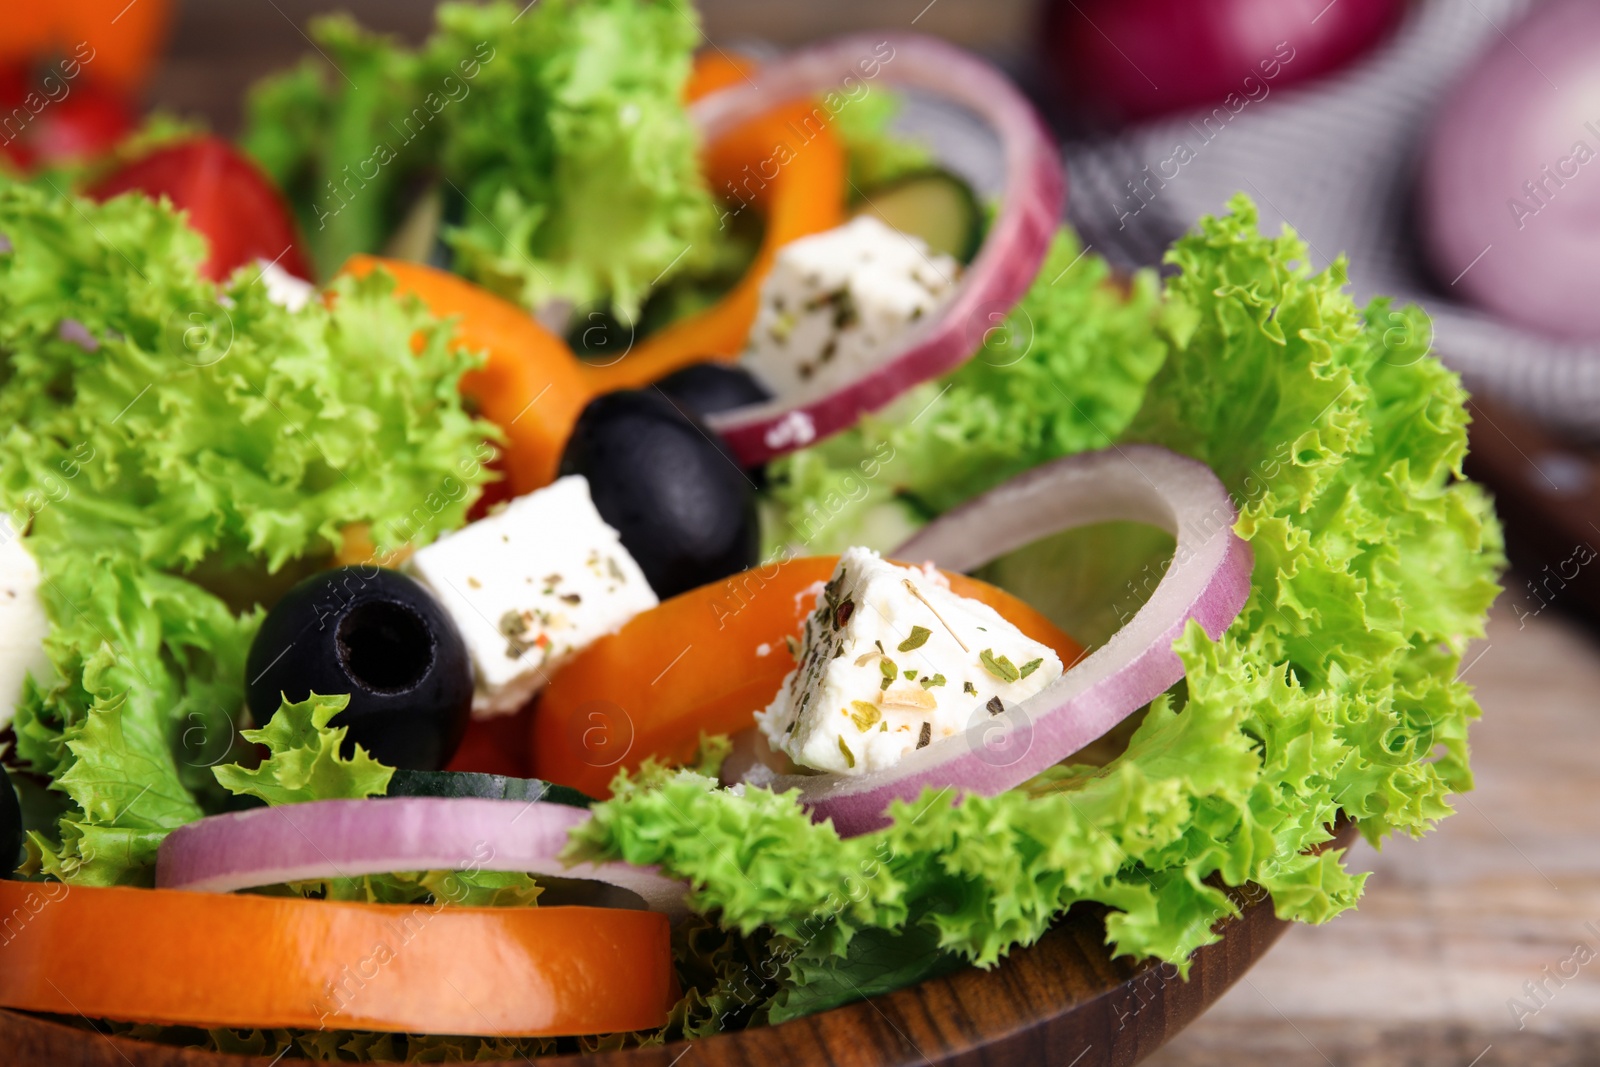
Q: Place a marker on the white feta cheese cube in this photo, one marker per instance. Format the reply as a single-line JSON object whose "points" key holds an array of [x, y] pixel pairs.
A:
{"points": [[284, 288], [23, 623], [835, 302], [882, 670], [530, 586]]}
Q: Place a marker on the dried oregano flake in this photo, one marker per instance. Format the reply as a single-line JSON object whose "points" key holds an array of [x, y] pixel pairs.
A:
{"points": [[919, 637], [999, 666]]}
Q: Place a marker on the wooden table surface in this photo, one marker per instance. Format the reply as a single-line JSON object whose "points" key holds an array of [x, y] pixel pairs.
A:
{"points": [[1454, 926]]}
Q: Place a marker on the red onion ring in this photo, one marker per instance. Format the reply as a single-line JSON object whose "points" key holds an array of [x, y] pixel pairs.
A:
{"points": [[1004, 268], [347, 838], [1208, 581]]}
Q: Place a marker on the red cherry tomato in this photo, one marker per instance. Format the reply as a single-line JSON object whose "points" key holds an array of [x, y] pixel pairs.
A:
{"points": [[228, 199], [88, 123], [50, 119], [496, 746]]}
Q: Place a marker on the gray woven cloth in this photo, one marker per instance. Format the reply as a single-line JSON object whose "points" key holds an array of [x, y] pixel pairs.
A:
{"points": [[1337, 159]]}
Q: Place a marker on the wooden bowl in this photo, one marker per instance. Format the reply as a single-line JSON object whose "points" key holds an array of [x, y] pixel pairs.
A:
{"points": [[1063, 1001]]}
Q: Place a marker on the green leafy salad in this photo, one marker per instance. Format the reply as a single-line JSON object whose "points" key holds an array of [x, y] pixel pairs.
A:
{"points": [[315, 595], [1375, 563], [546, 149]]}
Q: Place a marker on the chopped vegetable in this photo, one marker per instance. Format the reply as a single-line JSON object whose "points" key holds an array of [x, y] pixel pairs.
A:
{"points": [[1063, 373], [1030, 209], [559, 130], [1342, 440], [440, 969], [490, 786], [684, 511], [530, 385], [695, 666], [120, 49], [932, 204], [308, 758], [380, 637], [804, 195], [324, 840], [71, 118], [197, 438], [223, 196]]}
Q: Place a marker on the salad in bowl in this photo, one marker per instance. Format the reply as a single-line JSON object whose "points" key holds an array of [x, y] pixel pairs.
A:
{"points": [[558, 541]]}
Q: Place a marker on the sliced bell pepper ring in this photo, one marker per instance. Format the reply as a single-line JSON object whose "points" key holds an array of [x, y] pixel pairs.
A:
{"points": [[786, 164], [113, 41], [531, 386], [198, 959], [30, 32], [701, 662]]}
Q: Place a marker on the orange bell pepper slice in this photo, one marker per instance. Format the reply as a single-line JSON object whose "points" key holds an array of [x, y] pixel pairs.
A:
{"points": [[197, 959], [114, 41], [694, 665], [786, 164], [531, 386]]}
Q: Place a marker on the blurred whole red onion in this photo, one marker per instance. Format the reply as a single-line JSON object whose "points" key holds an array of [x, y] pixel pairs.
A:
{"points": [[1134, 59], [1509, 201]]}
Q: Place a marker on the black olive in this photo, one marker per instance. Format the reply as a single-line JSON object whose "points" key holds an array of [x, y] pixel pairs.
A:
{"points": [[10, 827], [669, 486], [383, 639], [702, 389]]}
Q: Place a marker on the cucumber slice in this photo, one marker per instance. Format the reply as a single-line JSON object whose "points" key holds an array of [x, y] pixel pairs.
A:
{"points": [[934, 205], [406, 783]]}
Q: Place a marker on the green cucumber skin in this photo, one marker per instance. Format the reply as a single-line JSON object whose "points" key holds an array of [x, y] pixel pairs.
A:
{"points": [[407, 783], [956, 229]]}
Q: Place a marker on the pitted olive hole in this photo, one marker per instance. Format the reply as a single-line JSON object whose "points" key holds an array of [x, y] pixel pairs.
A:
{"points": [[385, 647]]}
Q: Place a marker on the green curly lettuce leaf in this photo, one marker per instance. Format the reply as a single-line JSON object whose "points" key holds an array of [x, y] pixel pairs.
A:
{"points": [[578, 161], [198, 424], [1341, 439], [149, 668], [176, 453], [556, 131], [1065, 372], [303, 760]]}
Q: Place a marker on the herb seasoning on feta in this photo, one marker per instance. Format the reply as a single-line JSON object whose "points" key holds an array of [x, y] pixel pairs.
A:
{"points": [[836, 301], [875, 663], [530, 586]]}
